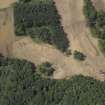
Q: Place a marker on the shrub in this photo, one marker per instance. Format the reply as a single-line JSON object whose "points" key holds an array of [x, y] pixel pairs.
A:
{"points": [[79, 56], [102, 45], [46, 69], [68, 52]]}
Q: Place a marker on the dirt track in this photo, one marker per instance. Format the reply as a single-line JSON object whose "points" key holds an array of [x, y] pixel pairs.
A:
{"points": [[99, 4], [6, 31], [6, 3], [75, 25], [80, 39], [79, 35]]}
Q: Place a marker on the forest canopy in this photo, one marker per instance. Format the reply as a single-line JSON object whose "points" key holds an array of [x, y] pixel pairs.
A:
{"points": [[40, 20], [20, 84]]}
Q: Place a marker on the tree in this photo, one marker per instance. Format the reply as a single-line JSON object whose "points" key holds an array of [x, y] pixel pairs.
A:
{"points": [[102, 45], [79, 56], [46, 69]]}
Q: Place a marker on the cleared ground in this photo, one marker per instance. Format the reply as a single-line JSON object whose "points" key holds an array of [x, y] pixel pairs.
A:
{"points": [[99, 4], [6, 3], [6, 31], [78, 32], [79, 36]]}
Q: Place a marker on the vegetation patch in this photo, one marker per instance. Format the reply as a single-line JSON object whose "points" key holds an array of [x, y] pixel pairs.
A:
{"points": [[40, 20], [79, 56], [45, 69], [96, 21], [20, 84]]}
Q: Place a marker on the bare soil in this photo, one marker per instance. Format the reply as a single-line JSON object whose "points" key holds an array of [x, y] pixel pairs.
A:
{"points": [[99, 4], [6, 3], [6, 31], [74, 24], [79, 35]]}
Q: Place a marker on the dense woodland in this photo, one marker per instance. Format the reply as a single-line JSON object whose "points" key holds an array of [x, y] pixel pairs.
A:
{"points": [[40, 20], [20, 84], [96, 21]]}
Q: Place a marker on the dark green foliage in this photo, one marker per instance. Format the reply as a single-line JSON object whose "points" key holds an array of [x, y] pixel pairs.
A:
{"points": [[79, 56], [84, 91], [21, 85], [24, 1], [68, 52], [45, 69], [90, 12], [102, 45], [15, 81], [40, 20], [96, 21]]}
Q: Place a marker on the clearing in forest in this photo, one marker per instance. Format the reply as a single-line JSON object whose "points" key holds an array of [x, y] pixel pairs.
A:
{"points": [[78, 33]]}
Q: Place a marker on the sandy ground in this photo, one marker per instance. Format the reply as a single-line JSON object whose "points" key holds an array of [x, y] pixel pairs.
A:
{"points": [[6, 3], [99, 4], [75, 26], [39, 53], [6, 31], [79, 36]]}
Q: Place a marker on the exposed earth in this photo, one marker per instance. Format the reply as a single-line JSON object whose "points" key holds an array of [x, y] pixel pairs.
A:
{"points": [[6, 3], [99, 4], [78, 33], [6, 31]]}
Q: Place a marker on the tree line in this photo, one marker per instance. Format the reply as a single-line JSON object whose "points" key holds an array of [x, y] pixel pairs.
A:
{"points": [[20, 84]]}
